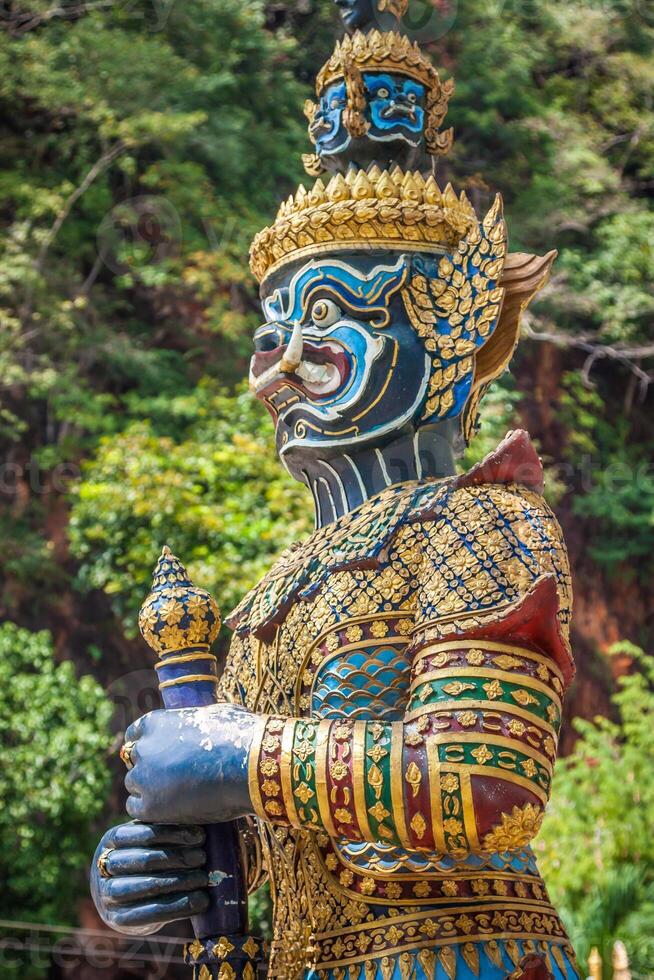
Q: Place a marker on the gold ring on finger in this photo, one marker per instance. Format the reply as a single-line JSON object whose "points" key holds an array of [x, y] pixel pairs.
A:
{"points": [[126, 754], [102, 862]]}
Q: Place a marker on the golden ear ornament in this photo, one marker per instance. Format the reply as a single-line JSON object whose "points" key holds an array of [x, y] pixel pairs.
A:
{"points": [[353, 117], [397, 8]]}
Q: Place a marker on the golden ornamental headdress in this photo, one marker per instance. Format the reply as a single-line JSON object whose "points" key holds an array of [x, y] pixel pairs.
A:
{"points": [[367, 207], [377, 51], [363, 210]]}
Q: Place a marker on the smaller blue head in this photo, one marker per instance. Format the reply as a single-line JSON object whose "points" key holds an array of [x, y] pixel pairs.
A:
{"points": [[394, 107], [378, 115], [327, 128]]}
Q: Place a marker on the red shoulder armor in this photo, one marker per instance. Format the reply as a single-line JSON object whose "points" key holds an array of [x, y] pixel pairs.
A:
{"points": [[514, 461], [533, 621]]}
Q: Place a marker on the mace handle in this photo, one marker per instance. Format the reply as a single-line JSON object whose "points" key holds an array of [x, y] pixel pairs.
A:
{"points": [[180, 622]]}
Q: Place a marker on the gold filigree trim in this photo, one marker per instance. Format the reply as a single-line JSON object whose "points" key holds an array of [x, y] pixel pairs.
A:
{"points": [[446, 707], [397, 8], [491, 647], [517, 921], [377, 51], [488, 672], [188, 679]]}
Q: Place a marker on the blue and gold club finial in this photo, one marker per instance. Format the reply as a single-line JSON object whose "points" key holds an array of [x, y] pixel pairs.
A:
{"points": [[179, 622], [177, 615]]}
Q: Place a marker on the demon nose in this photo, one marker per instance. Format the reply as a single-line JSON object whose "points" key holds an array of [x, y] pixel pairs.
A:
{"points": [[270, 336]]}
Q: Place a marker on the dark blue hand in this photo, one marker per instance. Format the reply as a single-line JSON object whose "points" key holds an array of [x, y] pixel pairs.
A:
{"points": [[155, 875], [190, 764]]}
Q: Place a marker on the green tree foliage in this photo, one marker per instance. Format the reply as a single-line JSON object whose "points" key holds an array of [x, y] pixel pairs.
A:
{"points": [[553, 107], [602, 813], [53, 776], [103, 110], [133, 178], [617, 479], [260, 912], [215, 493]]}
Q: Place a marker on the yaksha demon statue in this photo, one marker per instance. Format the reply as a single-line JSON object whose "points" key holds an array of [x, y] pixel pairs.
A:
{"points": [[391, 701]]}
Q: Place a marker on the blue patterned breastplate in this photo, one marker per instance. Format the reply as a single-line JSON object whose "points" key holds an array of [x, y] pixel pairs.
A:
{"points": [[363, 684]]}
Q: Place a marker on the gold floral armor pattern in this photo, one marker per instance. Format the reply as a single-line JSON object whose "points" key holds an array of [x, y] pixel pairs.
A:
{"points": [[411, 660]]}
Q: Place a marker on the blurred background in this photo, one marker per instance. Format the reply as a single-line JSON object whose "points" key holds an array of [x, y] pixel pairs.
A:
{"points": [[142, 143]]}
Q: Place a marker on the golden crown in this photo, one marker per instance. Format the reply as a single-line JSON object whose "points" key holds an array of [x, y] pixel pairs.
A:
{"points": [[377, 51], [363, 210]]}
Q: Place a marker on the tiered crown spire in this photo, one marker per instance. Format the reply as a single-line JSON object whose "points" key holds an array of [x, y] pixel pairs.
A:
{"points": [[376, 126], [354, 62]]}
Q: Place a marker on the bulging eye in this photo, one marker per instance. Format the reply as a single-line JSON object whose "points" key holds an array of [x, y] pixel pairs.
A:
{"points": [[334, 104], [412, 97], [324, 313], [383, 93]]}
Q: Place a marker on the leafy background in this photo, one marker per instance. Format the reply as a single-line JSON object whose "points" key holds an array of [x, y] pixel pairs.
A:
{"points": [[142, 143]]}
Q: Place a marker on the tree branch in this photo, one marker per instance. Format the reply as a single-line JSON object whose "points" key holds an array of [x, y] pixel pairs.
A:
{"points": [[17, 22], [627, 356], [100, 164]]}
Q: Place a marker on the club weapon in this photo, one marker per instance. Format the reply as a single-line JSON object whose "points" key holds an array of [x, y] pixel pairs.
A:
{"points": [[180, 622]]}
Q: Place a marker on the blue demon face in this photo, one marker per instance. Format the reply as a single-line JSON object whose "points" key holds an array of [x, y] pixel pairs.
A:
{"points": [[395, 108], [338, 363], [327, 128], [358, 348], [394, 111]]}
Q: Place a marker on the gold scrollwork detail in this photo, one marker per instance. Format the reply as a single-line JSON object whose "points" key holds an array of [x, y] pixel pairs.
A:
{"points": [[516, 830]]}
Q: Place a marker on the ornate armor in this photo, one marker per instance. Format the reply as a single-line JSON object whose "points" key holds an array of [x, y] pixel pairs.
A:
{"points": [[411, 656], [416, 647]]}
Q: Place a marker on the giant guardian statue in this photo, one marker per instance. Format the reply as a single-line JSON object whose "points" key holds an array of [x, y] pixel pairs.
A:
{"points": [[386, 725]]}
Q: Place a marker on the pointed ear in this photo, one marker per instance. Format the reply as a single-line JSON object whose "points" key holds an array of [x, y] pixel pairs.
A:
{"points": [[522, 277]]}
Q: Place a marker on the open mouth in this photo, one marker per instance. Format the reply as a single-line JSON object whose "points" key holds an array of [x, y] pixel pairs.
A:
{"points": [[320, 372]]}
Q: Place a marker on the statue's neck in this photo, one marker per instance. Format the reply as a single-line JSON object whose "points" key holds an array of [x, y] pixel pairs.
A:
{"points": [[343, 482]]}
